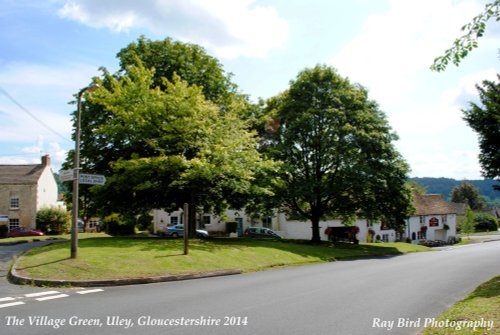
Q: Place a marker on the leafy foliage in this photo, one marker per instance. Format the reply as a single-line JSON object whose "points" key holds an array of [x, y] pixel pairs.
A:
{"points": [[337, 154], [468, 225], [485, 120], [117, 225], [167, 129], [469, 41], [468, 194], [485, 222], [174, 144], [53, 220]]}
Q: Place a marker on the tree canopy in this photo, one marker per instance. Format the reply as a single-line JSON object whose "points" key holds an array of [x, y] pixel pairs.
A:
{"points": [[468, 194], [484, 118], [336, 150], [163, 139]]}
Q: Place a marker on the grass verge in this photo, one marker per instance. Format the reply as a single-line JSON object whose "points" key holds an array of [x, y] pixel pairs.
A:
{"points": [[9, 240], [113, 257], [482, 305]]}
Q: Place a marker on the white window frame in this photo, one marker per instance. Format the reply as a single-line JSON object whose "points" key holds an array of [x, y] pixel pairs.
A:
{"points": [[13, 223], [14, 202]]}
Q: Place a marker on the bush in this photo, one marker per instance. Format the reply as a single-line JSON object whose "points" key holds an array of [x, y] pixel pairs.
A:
{"points": [[486, 222], [4, 230], [53, 220], [116, 225]]}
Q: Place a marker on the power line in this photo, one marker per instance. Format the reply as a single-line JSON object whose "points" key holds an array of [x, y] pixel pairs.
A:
{"points": [[32, 115]]}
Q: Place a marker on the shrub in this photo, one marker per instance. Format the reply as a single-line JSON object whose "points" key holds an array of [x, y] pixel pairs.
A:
{"points": [[486, 222], [53, 220], [115, 224]]}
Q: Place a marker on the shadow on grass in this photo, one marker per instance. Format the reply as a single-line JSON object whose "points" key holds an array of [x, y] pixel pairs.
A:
{"points": [[42, 264], [325, 251]]}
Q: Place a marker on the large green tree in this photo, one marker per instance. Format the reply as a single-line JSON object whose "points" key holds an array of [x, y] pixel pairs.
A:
{"points": [[183, 148], [336, 150], [167, 129], [468, 194], [484, 118]]}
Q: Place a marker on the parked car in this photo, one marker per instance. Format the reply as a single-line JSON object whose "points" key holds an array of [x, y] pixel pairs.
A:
{"points": [[23, 231], [81, 226], [261, 232], [178, 231]]}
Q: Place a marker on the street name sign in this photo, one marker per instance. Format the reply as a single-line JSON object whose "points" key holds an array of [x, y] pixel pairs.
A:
{"points": [[92, 179], [66, 175]]}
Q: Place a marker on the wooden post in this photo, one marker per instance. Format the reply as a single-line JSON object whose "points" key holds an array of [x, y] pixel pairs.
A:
{"points": [[186, 228]]}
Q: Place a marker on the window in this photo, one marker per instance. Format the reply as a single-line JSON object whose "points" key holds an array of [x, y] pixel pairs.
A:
{"points": [[13, 223], [444, 218], [206, 220], [174, 220], [14, 202], [385, 238], [422, 219], [267, 221]]}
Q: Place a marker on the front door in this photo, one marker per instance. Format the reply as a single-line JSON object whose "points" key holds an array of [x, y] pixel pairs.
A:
{"points": [[239, 226]]}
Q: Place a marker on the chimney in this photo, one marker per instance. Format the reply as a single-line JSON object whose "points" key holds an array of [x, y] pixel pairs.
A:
{"points": [[46, 160]]}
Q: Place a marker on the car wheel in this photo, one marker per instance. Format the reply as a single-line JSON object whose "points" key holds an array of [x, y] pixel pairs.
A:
{"points": [[175, 235]]}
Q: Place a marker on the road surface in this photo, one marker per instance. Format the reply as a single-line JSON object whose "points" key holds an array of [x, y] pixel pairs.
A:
{"points": [[371, 296]]}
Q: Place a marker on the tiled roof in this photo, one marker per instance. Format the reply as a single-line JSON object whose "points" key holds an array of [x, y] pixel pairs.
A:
{"points": [[20, 174], [429, 204]]}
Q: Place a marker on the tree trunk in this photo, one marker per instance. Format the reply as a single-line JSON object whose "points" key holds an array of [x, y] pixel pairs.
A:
{"points": [[316, 239], [192, 216]]}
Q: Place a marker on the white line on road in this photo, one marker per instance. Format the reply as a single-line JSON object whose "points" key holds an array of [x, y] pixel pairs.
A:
{"points": [[53, 297], [7, 299], [90, 291], [12, 304], [39, 294]]}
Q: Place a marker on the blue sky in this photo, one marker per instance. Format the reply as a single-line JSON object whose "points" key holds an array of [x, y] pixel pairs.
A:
{"points": [[50, 49]]}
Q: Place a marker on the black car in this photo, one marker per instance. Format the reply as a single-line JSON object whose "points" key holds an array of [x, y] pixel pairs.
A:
{"points": [[261, 232]]}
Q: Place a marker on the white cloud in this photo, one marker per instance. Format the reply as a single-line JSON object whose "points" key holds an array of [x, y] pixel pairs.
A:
{"points": [[393, 48], [391, 56], [231, 28]]}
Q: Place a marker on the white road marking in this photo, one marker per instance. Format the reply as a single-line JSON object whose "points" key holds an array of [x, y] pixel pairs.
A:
{"points": [[90, 291], [7, 299], [12, 304], [53, 297], [39, 294]]}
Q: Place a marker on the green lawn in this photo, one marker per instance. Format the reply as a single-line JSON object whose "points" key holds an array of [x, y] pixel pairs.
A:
{"points": [[482, 304], [112, 257]]}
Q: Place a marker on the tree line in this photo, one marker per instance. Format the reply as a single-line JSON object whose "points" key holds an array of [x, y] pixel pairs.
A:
{"points": [[170, 127]]}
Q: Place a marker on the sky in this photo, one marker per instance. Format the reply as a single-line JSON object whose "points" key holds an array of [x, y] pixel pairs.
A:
{"points": [[51, 49]]}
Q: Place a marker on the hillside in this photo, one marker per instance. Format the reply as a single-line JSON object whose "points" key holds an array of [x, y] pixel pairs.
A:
{"points": [[445, 185]]}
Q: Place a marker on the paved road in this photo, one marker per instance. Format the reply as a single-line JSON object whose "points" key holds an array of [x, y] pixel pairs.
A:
{"points": [[7, 255], [350, 297]]}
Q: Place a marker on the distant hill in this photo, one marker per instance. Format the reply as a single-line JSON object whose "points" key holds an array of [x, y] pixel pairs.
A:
{"points": [[445, 185]]}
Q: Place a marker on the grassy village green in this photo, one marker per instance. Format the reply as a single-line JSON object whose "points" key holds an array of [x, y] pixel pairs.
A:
{"points": [[121, 257], [482, 304]]}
